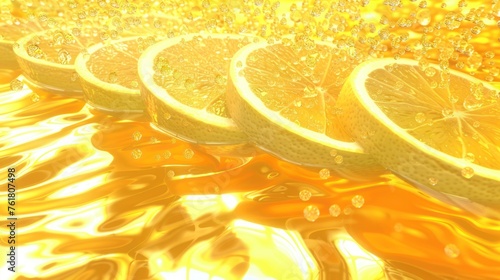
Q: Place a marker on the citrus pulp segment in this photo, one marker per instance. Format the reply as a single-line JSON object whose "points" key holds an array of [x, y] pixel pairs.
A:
{"points": [[184, 82], [283, 95], [439, 130]]}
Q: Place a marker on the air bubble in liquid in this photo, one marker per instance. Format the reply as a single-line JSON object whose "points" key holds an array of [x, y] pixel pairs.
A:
{"points": [[305, 195], [324, 173], [311, 213], [137, 135], [334, 210], [358, 201]]}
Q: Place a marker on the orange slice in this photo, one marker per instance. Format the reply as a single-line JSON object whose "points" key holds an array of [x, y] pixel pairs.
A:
{"points": [[438, 130], [184, 82], [47, 57], [283, 96], [109, 75]]}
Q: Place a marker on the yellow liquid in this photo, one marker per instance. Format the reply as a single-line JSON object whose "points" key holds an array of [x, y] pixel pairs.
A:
{"points": [[95, 201], [105, 196]]}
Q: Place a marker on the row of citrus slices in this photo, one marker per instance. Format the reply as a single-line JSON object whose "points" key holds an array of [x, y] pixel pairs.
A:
{"points": [[297, 99]]}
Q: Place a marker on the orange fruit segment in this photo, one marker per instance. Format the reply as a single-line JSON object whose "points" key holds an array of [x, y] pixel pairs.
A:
{"points": [[283, 96], [438, 130]]}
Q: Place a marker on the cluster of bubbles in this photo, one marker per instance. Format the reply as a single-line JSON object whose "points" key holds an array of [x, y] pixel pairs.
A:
{"points": [[312, 212], [450, 34]]}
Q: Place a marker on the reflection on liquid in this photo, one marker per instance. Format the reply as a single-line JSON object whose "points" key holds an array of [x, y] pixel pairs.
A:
{"points": [[108, 197]]}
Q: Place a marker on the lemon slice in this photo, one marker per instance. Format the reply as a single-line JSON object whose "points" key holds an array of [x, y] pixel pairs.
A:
{"points": [[184, 82], [108, 70], [47, 57], [442, 136], [108, 74], [283, 95]]}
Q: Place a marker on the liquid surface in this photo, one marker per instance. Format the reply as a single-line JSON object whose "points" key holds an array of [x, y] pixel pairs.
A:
{"points": [[107, 196]]}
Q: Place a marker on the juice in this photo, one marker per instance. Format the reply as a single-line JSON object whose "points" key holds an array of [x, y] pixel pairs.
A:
{"points": [[106, 195]]}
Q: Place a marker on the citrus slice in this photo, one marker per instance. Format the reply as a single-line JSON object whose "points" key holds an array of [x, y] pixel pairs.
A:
{"points": [[283, 95], [445, 136], [108, 73], [184, 82], [47, 57], [108, 70]]}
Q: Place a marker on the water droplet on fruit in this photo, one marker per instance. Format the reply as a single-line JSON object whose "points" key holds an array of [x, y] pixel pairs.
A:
{"points": [[333, 152], [447, 113], [220, 80], [189, 84], [338, 159], [420, 117], [64, 57], [430, 71], [112, 77], [474, 61], [453, 99], [74, 77], [467, 172], [433, 181], [310, 92], [470, 157]]}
